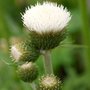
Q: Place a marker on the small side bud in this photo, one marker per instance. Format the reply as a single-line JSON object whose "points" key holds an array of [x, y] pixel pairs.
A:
{"points": [[28, 72], [23, 52], [49, 82]]}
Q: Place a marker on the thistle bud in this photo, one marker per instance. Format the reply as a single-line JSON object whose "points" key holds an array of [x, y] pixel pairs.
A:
{"points": [[22, 52], [49, 82], [28, 72]]}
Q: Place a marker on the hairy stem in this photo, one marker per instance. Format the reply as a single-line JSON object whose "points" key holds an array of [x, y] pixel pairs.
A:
{"points": [[33, 86], [47, 62]]}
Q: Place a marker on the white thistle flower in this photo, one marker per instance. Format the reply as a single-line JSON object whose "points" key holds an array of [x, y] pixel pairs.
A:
{"points": [[46, 17], [16, 54]]}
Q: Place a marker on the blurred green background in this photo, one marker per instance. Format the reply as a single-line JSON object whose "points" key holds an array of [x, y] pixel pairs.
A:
{"points": [[71, 60]]}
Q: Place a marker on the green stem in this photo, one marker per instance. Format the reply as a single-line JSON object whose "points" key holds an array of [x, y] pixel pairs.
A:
{"points": [[85, 32], [33, 86], [47, 62]]}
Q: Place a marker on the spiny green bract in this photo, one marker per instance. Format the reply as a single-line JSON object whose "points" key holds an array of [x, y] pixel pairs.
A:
{"points": [[46, 41]]}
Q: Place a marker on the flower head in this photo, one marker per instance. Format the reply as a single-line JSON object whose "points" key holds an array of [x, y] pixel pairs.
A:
{"points": [[46, 23], [46, 17]]}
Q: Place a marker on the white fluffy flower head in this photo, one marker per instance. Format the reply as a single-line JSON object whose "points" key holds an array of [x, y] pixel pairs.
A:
{"points": [[46, 17], [15, 53]]}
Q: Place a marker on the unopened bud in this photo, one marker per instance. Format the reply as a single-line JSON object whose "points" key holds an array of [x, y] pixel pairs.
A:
{"points": [[50, 82], [28, 72], [23, 52]]}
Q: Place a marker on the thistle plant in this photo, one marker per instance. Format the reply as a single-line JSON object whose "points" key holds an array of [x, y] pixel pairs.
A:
{"points": [[46, 24]]}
